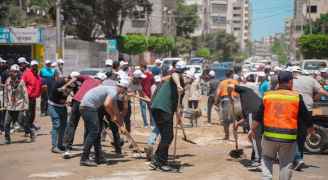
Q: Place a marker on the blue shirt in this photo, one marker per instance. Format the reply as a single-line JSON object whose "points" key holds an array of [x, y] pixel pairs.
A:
{"points": [[264, 87], [156, 70], [47, 72]]}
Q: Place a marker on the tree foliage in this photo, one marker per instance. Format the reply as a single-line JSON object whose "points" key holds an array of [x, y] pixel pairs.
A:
{"points": [[133, 44], [278, 48], [183, 45], [203, 52], [221, 45], [314, 46], [160, 44], [186, 19]]}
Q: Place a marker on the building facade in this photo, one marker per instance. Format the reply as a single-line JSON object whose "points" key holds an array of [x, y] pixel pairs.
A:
{"points": [[161, 21]]}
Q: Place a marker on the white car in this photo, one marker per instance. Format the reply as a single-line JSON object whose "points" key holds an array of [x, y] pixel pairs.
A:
{"points": [[196, 69]]}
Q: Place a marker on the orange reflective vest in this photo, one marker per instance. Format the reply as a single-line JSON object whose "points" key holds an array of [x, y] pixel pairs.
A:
{"points": [[281, 115], [223, 87]]}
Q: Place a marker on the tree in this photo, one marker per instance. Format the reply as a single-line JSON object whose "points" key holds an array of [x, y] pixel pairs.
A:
{"points": [[160, 44], [221, 45], [278, 48], [203, 52], [314, 46], [133, 44], [183, 45], [186, 19]]}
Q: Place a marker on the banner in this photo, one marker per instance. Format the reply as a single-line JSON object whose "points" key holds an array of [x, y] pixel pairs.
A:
{"points": [[21, 35]]}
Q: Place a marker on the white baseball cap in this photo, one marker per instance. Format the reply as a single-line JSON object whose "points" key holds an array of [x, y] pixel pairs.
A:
{"points": [[190, 74], [109, 62], [2, 60], [212, 73], [123, 83], [22, 60], [180, 65], [60, 61], [123, 63], [74, 74], [158, 61], [158, 78], [34, 62], [139, 74], [102, 76], [47, 61], [14, 67], [54, 64]]}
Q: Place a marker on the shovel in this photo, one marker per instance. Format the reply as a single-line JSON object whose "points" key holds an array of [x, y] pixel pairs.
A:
{"points": [[236, 153]]}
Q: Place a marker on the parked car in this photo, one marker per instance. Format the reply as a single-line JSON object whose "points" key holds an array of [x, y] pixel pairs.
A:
{"points": [[197, 61], [312, 65], [197, 69], [92, 71]]}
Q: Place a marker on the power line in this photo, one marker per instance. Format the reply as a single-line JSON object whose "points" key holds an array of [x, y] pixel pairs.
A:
{"points": [[269, 17]]}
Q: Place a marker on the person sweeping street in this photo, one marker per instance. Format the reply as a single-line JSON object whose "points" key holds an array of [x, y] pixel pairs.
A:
{"points": [[96, 98], [281, 112], [164, 104]]}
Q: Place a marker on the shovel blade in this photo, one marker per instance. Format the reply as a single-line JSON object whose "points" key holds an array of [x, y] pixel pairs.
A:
{"points": [[236, 153]]}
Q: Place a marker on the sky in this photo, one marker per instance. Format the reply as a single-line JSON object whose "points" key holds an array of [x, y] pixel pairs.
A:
{"points": [[268, 16]]}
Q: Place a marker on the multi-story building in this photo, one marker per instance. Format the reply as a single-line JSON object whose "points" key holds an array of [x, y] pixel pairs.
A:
{"points": [[160, 21], [261, 49]]}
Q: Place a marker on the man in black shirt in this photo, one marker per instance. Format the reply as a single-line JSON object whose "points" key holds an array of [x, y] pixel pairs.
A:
{"points": [[58, 113]]}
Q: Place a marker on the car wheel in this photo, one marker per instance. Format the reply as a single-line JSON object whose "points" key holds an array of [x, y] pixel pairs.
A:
{"points": [[315, 143]]}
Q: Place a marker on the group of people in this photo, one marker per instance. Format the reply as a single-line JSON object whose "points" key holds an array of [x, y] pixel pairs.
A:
{"points": [[276, 111]]}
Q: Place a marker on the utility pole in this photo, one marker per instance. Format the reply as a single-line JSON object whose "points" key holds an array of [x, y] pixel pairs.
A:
{"points": [[59, 40], [308, 10]]}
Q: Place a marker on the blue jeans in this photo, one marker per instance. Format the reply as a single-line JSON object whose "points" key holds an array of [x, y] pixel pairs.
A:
{"points": [[59, 120], [143, 107], [154, 132]]}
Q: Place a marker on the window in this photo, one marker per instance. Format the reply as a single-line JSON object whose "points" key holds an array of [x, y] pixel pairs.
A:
{"points": [[236, 29], [236, 8], [312, 9], [219, 8], [138, 23], [218, 20], [236, 22], [236, 15]]}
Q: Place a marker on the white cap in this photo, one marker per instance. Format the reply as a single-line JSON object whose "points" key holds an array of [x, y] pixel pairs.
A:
{"points": [[190, 74], [34, 62], [137, 67], [47, 61], [295, 69], [180, 65], [14, 67], [139, 74], [54, 64], [22, 60], [74, 74], [158, 78], [102, 76], [212, 73], [158, 61], [2, 60], [123, 83], [60, 61], [122, 63], [109, 62]]}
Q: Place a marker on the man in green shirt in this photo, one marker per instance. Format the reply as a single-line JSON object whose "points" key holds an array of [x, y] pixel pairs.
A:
{"points": [[164, 104]]}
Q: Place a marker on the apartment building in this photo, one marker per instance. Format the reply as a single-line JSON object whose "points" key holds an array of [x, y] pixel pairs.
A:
{"points": [[161, 20]]}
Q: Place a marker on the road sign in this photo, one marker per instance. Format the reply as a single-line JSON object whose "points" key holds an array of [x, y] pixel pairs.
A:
{"points": [[111, 46]]}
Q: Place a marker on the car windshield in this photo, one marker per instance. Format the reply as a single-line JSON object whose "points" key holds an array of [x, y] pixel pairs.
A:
{"points": [[169, 62], [315, 65]]}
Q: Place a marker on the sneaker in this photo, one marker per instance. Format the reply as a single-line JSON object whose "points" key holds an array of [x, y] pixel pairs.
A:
{"points": [[67, 154], [32, 137], [299, 165], [56, 150], [7, 141], [88, 163], [149, 152]]}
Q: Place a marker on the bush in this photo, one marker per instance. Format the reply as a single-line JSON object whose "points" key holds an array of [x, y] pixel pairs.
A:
{"points": [[160, 44], [133, 44], [203, 52]]}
